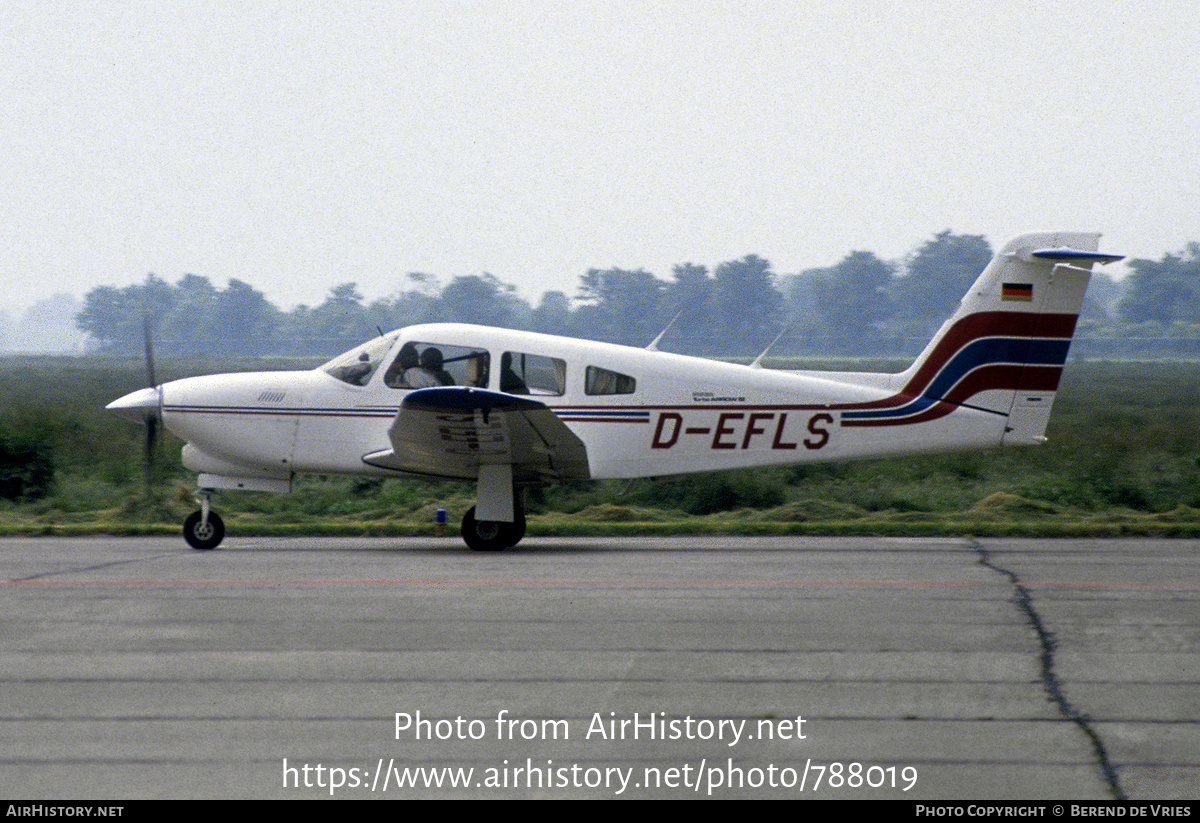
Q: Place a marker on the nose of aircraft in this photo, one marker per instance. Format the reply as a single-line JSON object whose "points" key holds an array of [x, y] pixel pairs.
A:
{"points": [[140, 405]]}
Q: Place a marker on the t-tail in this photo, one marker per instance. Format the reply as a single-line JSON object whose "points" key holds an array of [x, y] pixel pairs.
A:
{"points": [[1003, 349]]}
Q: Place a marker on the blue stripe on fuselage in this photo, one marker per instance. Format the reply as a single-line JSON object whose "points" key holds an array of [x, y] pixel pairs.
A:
{"points": [[1020, 351]]}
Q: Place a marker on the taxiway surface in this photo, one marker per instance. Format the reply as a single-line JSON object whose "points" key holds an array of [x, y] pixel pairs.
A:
{"points": [[636, 667]]}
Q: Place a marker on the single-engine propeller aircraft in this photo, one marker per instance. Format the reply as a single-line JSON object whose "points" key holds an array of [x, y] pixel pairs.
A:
{"points": [[512, 409]]}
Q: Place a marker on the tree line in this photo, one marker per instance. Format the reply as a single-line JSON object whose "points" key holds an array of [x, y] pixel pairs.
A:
{"points": [[862, 305]]}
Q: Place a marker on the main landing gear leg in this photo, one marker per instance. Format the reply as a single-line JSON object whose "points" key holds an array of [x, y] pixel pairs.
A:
{"points": [[501, 517], [204, 529]]}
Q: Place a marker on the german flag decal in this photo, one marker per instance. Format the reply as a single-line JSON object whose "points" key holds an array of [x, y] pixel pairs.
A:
{"points": [[1017, 291]]}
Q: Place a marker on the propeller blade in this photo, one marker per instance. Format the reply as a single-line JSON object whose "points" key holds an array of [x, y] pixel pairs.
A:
{"points": [[150, 381], [151, 442], [152, 415]]}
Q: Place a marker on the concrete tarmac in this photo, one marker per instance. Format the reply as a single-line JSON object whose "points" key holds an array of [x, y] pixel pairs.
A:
{"points": [[952, 669]]}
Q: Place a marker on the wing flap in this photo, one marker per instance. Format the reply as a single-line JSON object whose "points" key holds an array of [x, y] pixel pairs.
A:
{"points": [[451, 431]]}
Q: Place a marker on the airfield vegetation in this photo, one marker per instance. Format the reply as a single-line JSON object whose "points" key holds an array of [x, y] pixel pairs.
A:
{"points": [[1123, 458]]}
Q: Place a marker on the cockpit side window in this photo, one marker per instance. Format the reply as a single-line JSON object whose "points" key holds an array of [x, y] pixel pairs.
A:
{"points": [[603, 381], [422, 365], [522, 373]]}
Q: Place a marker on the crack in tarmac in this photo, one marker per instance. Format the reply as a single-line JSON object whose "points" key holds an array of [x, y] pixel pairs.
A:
{"points": [[1050, 681], [80, 569]]}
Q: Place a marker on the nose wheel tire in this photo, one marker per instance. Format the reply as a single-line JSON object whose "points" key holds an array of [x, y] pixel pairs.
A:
{"points": [[492, 535], [203, 535]]}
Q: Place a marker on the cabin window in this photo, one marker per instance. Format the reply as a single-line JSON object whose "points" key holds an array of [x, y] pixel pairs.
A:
{"points": [[357, 365], [422, 365], [522, 373], [603, 381]]}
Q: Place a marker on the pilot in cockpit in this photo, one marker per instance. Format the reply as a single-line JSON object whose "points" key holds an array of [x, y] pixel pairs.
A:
{"points": [[405, 360]]}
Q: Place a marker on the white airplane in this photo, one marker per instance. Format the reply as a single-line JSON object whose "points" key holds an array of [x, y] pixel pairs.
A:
{"points": [[512, 409]]}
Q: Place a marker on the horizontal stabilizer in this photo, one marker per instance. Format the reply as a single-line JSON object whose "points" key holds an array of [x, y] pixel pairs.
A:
{"points": [[1065, 255]]}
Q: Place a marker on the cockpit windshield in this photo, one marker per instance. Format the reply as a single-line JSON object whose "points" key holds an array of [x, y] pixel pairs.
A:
{"points": [[357, 365]]}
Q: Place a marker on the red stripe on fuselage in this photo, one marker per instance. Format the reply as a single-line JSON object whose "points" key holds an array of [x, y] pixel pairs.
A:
{"points": [[1025, 378], [971, 328]]}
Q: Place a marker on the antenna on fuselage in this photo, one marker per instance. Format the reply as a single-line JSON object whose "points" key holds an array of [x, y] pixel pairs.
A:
{"points": [[757, 364], [654, 343]]}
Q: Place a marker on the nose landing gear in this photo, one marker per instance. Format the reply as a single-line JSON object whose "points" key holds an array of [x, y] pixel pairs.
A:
{"points": [[204, 529]]}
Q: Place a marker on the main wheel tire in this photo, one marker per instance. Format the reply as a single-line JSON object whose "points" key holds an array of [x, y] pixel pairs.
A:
{"points": [[203, 536], [492, 535]]}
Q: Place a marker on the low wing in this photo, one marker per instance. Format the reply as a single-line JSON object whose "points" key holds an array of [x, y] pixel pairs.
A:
{"points": [[451, 431]]}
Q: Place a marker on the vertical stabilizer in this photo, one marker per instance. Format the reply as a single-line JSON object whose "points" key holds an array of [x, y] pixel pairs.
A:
{"points": [[1003, 349]]}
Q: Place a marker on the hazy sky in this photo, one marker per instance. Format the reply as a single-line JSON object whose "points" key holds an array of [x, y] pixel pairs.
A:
{"points": [[298, 145]]}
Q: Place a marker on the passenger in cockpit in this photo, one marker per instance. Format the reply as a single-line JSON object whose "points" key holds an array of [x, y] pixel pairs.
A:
{"points": [[510, 382], [430, 372]]}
